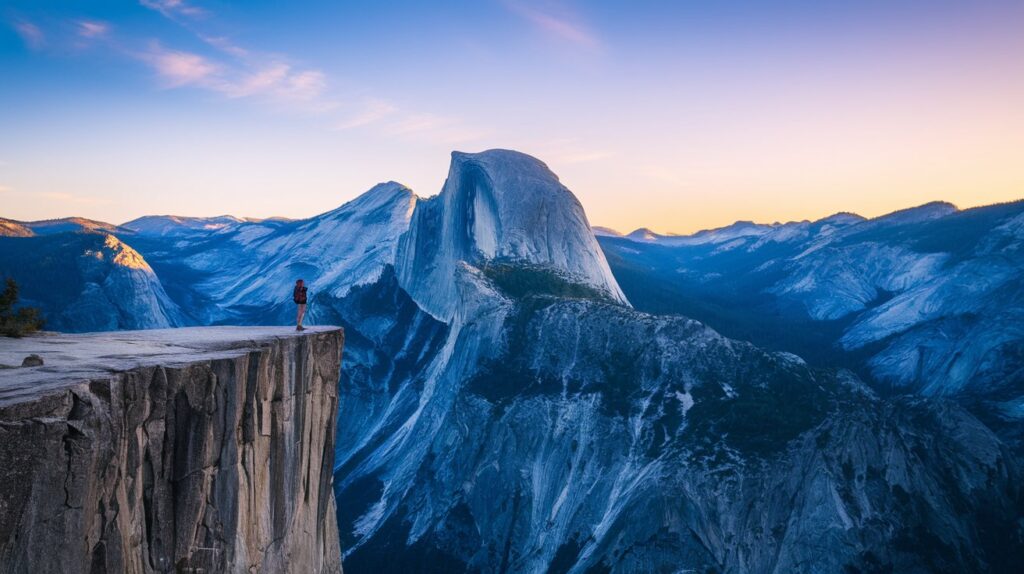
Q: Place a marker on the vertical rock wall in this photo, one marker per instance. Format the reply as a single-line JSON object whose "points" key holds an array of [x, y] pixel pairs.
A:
{"points": [[216, 465]]}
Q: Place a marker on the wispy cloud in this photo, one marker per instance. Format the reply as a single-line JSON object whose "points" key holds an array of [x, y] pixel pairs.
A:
{"points": [[275, 79], [235, 71], [239, 72], [179, 68], [92, 29], [172, 8], [267, 78], [427, 127], [560, 26], [30, 34], [389, 119], [304, 85], [257, 82], [225, 45], [373, 111]]}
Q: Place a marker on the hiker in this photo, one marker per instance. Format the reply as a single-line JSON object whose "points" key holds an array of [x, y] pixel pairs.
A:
{"points": [[299, 296]]}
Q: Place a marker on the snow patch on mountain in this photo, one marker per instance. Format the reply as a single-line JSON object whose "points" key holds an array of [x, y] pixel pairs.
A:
{"points": [[172, 225]]}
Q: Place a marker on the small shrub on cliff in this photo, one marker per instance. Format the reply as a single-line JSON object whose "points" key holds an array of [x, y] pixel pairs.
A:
{"points": [[16, 322]]}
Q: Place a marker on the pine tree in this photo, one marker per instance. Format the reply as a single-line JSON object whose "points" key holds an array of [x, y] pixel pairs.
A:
{"points": [[16, 322]]}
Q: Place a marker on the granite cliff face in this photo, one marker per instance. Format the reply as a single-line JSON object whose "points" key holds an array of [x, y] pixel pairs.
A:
{"points": [[187, 450], [593, 438]]}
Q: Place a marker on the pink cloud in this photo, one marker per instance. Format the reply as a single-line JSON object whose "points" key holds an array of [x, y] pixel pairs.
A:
{"points": [[237, 72], [92, 29], [271, 79], [180, 68], [562, 27], [432, 128], [225, 45], [30, 34], [262, 81], [305, 85]]}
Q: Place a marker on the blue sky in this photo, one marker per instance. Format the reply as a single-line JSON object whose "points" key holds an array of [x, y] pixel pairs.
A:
{"points": [[672, 115]]}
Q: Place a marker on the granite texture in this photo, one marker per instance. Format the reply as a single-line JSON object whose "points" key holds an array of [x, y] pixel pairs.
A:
{"points": [[179, 450]]}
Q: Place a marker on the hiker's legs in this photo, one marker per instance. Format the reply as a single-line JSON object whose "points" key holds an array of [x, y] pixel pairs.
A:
{"points": [[300, 315]]}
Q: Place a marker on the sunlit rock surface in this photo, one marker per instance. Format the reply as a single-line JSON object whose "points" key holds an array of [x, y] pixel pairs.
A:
{"points": [[183, 450], [87, 281]]}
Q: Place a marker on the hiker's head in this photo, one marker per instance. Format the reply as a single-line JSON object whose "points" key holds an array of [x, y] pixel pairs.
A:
{"points": [[298, 282]]}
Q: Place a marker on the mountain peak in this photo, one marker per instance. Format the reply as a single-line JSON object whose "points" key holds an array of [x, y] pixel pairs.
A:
{"points": [[506, 156], [842, 218], [509, 166], [643, 234], [930, 210], [174, 225], [381, 196], [499, 205]]}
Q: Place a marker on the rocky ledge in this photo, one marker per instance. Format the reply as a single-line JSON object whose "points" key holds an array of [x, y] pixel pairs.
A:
{"points": [[176, 450]]}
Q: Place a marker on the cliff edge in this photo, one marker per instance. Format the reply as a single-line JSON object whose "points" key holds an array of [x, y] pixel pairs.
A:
{"points": [[178, 450]]}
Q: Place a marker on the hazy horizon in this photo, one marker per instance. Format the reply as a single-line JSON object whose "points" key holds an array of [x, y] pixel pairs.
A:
{"points": [[594, 225], [662, 115]]}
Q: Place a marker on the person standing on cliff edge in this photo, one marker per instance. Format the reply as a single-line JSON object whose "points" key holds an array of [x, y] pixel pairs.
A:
{"points": [[299, 296]]}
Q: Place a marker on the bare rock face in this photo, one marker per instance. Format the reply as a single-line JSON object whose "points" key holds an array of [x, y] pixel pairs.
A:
{"points": [[180, 450]]}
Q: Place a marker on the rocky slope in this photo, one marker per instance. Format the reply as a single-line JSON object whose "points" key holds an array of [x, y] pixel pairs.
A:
{"points": [[12, 228], [535, 423], [244, 273], [88, 282], [928, 300], [190, 450], [580, 436]]}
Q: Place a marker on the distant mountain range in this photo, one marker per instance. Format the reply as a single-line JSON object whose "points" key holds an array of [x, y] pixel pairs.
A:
{"points": [[522, 394], [928, 300]]}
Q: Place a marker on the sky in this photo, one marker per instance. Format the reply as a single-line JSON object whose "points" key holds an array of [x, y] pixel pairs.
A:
{"points": [[676, 116]]}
